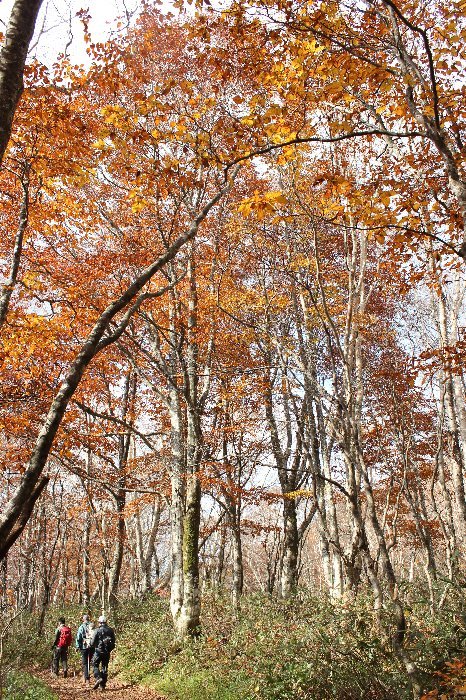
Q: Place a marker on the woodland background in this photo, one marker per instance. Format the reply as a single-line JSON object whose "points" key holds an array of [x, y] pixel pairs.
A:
{"points": [[232, 345]]}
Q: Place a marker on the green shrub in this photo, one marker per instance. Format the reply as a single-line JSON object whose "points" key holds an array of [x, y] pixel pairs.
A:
{"points": [[22, 686], [144, 636], [309, 649]]}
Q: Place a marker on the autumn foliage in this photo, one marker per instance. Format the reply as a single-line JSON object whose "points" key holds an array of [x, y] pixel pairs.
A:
{"points": [[231, 311]]}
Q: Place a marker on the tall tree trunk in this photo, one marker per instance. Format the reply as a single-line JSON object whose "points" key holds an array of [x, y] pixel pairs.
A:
{"points": [[289, 570], [219, 569], [237, 573], [178, 485], [188, 621], [129, 396], [85, 588], [117, 560], [454, 411]]}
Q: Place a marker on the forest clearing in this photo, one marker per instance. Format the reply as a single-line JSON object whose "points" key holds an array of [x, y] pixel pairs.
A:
{"points": [[232, 345]]}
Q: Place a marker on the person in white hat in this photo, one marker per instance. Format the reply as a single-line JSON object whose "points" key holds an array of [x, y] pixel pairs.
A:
{"points": [[103, 643]]}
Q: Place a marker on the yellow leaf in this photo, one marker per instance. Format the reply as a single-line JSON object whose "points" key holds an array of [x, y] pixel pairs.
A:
{"points": [[277, 197]]}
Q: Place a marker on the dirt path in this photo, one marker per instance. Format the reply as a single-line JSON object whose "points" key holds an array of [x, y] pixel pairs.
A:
{"points": [[74, 688]]}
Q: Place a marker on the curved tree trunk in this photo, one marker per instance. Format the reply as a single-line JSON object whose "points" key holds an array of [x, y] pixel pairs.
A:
{"points": [[18, 509], [12, 61]]}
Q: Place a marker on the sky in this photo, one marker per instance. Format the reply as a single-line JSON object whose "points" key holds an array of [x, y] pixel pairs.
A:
{"points": [[53, 25]]}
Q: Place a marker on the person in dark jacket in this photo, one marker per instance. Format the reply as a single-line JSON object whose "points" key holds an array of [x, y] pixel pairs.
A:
{"points": [[103, 643], [60, 647], [83, 645]]}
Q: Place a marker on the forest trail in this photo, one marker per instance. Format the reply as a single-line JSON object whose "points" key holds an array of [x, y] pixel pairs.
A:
{"points": [[74, 688]]}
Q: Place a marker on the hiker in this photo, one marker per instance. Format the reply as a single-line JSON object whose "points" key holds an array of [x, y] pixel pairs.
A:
{"points": [[103, 642], [83, 645], [60, 646]]}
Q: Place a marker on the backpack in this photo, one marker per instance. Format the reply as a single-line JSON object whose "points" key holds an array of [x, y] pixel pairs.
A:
{"points": [[106, 643], [87, 635], [65, 637]]}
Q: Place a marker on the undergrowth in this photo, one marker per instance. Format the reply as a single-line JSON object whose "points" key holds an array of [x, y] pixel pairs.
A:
{"points": [[274, 650], [303, 649], [23, 686]]}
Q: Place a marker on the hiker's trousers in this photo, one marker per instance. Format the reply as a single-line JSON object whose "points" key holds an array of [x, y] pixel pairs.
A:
{"points": [[100, 666], [60, 654], [86, 656]]}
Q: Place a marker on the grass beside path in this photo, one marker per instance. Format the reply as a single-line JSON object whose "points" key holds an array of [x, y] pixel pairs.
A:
{"points": [[23, 686]]}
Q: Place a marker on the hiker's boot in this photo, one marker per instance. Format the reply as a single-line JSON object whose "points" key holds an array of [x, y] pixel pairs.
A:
{"points": [[97, 684]]}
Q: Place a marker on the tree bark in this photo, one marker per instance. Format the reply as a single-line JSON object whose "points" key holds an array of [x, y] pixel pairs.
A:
{"points": [[289, 572], [188, 622], [12, 61]]}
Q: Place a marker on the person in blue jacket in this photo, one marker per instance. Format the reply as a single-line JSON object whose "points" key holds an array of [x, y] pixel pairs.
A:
{"points": [[83, 645]]}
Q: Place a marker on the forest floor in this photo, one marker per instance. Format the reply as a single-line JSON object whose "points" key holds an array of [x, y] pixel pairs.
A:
{"points": [[74, 688]]}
